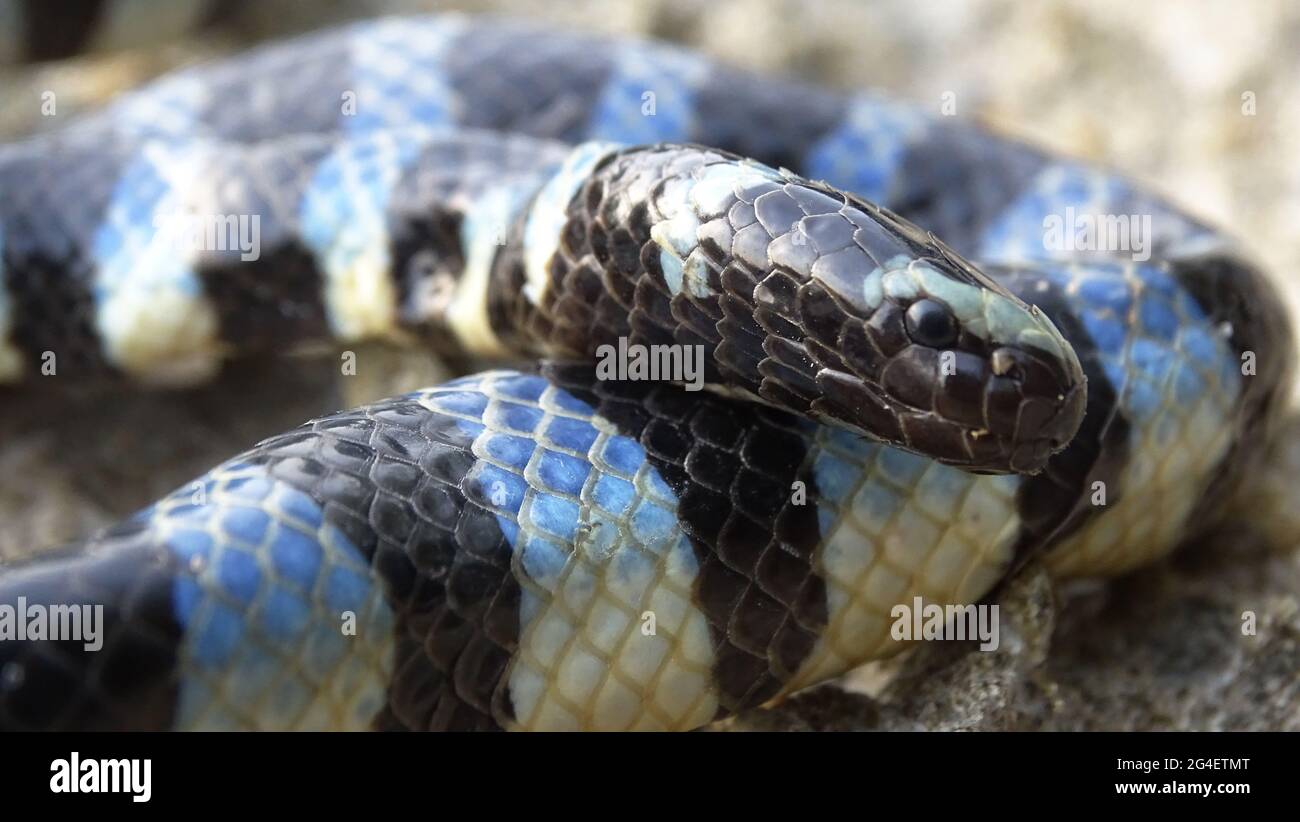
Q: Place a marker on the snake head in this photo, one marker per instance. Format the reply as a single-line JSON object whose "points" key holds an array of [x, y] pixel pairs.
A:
{"points": [[907, 342], [813, 301]]}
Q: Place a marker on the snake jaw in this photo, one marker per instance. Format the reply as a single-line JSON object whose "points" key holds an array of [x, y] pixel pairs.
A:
{"points": [[1041, 438]]}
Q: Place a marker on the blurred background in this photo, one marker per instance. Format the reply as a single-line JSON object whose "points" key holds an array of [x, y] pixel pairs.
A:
{"points": [[1155, 88], [1199, 100]]}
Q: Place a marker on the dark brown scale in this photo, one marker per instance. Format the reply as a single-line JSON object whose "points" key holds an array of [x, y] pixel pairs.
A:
{"points": [[743, 350], [790, 354], [757, 618], [857, 347], [597, 240], [644, 331], [777, 393], [625, 251], [911, 376], [945, 442], [825, 356], [713, 467], [738, 318], [843, 393], [715, 430], [797, 388], [1033, 415], [700, 316], [712, 369], [777, 326], [819, 314], [737, 365], [961, 390], [574, 238], [778, 292], [887, 331], [1001, 405]]}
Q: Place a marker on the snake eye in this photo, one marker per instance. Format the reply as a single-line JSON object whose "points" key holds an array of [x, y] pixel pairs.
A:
{"points": [[930, 324]]}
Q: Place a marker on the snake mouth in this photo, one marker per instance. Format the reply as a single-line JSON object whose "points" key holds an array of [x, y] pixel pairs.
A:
{"points": [[1040, 436]]}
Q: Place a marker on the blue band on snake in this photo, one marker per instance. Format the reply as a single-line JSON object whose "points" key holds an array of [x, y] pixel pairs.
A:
{"points": [[910, 388]]}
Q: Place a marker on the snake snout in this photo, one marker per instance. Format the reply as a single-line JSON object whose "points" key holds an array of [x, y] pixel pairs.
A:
{"points": [[1051, 398], [1043, 430]]}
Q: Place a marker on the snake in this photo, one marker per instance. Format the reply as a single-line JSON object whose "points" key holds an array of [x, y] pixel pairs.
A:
{"points": [[907, 387]]}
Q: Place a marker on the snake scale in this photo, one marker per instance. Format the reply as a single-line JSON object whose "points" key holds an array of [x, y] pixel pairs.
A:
{"points": [[544, 545]]}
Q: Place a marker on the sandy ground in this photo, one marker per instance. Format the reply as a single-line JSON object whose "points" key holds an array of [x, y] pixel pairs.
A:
{"points": [[1160, 90]]}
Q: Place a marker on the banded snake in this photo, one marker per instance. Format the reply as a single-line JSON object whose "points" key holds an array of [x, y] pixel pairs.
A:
{"points": [[885, 419]]}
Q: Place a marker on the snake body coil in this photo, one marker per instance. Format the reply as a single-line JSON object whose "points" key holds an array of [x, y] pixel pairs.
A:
{"points": [[550, 548]]}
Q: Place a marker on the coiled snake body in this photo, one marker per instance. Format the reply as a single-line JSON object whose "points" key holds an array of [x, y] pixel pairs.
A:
{"points": [[555, 548]]}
